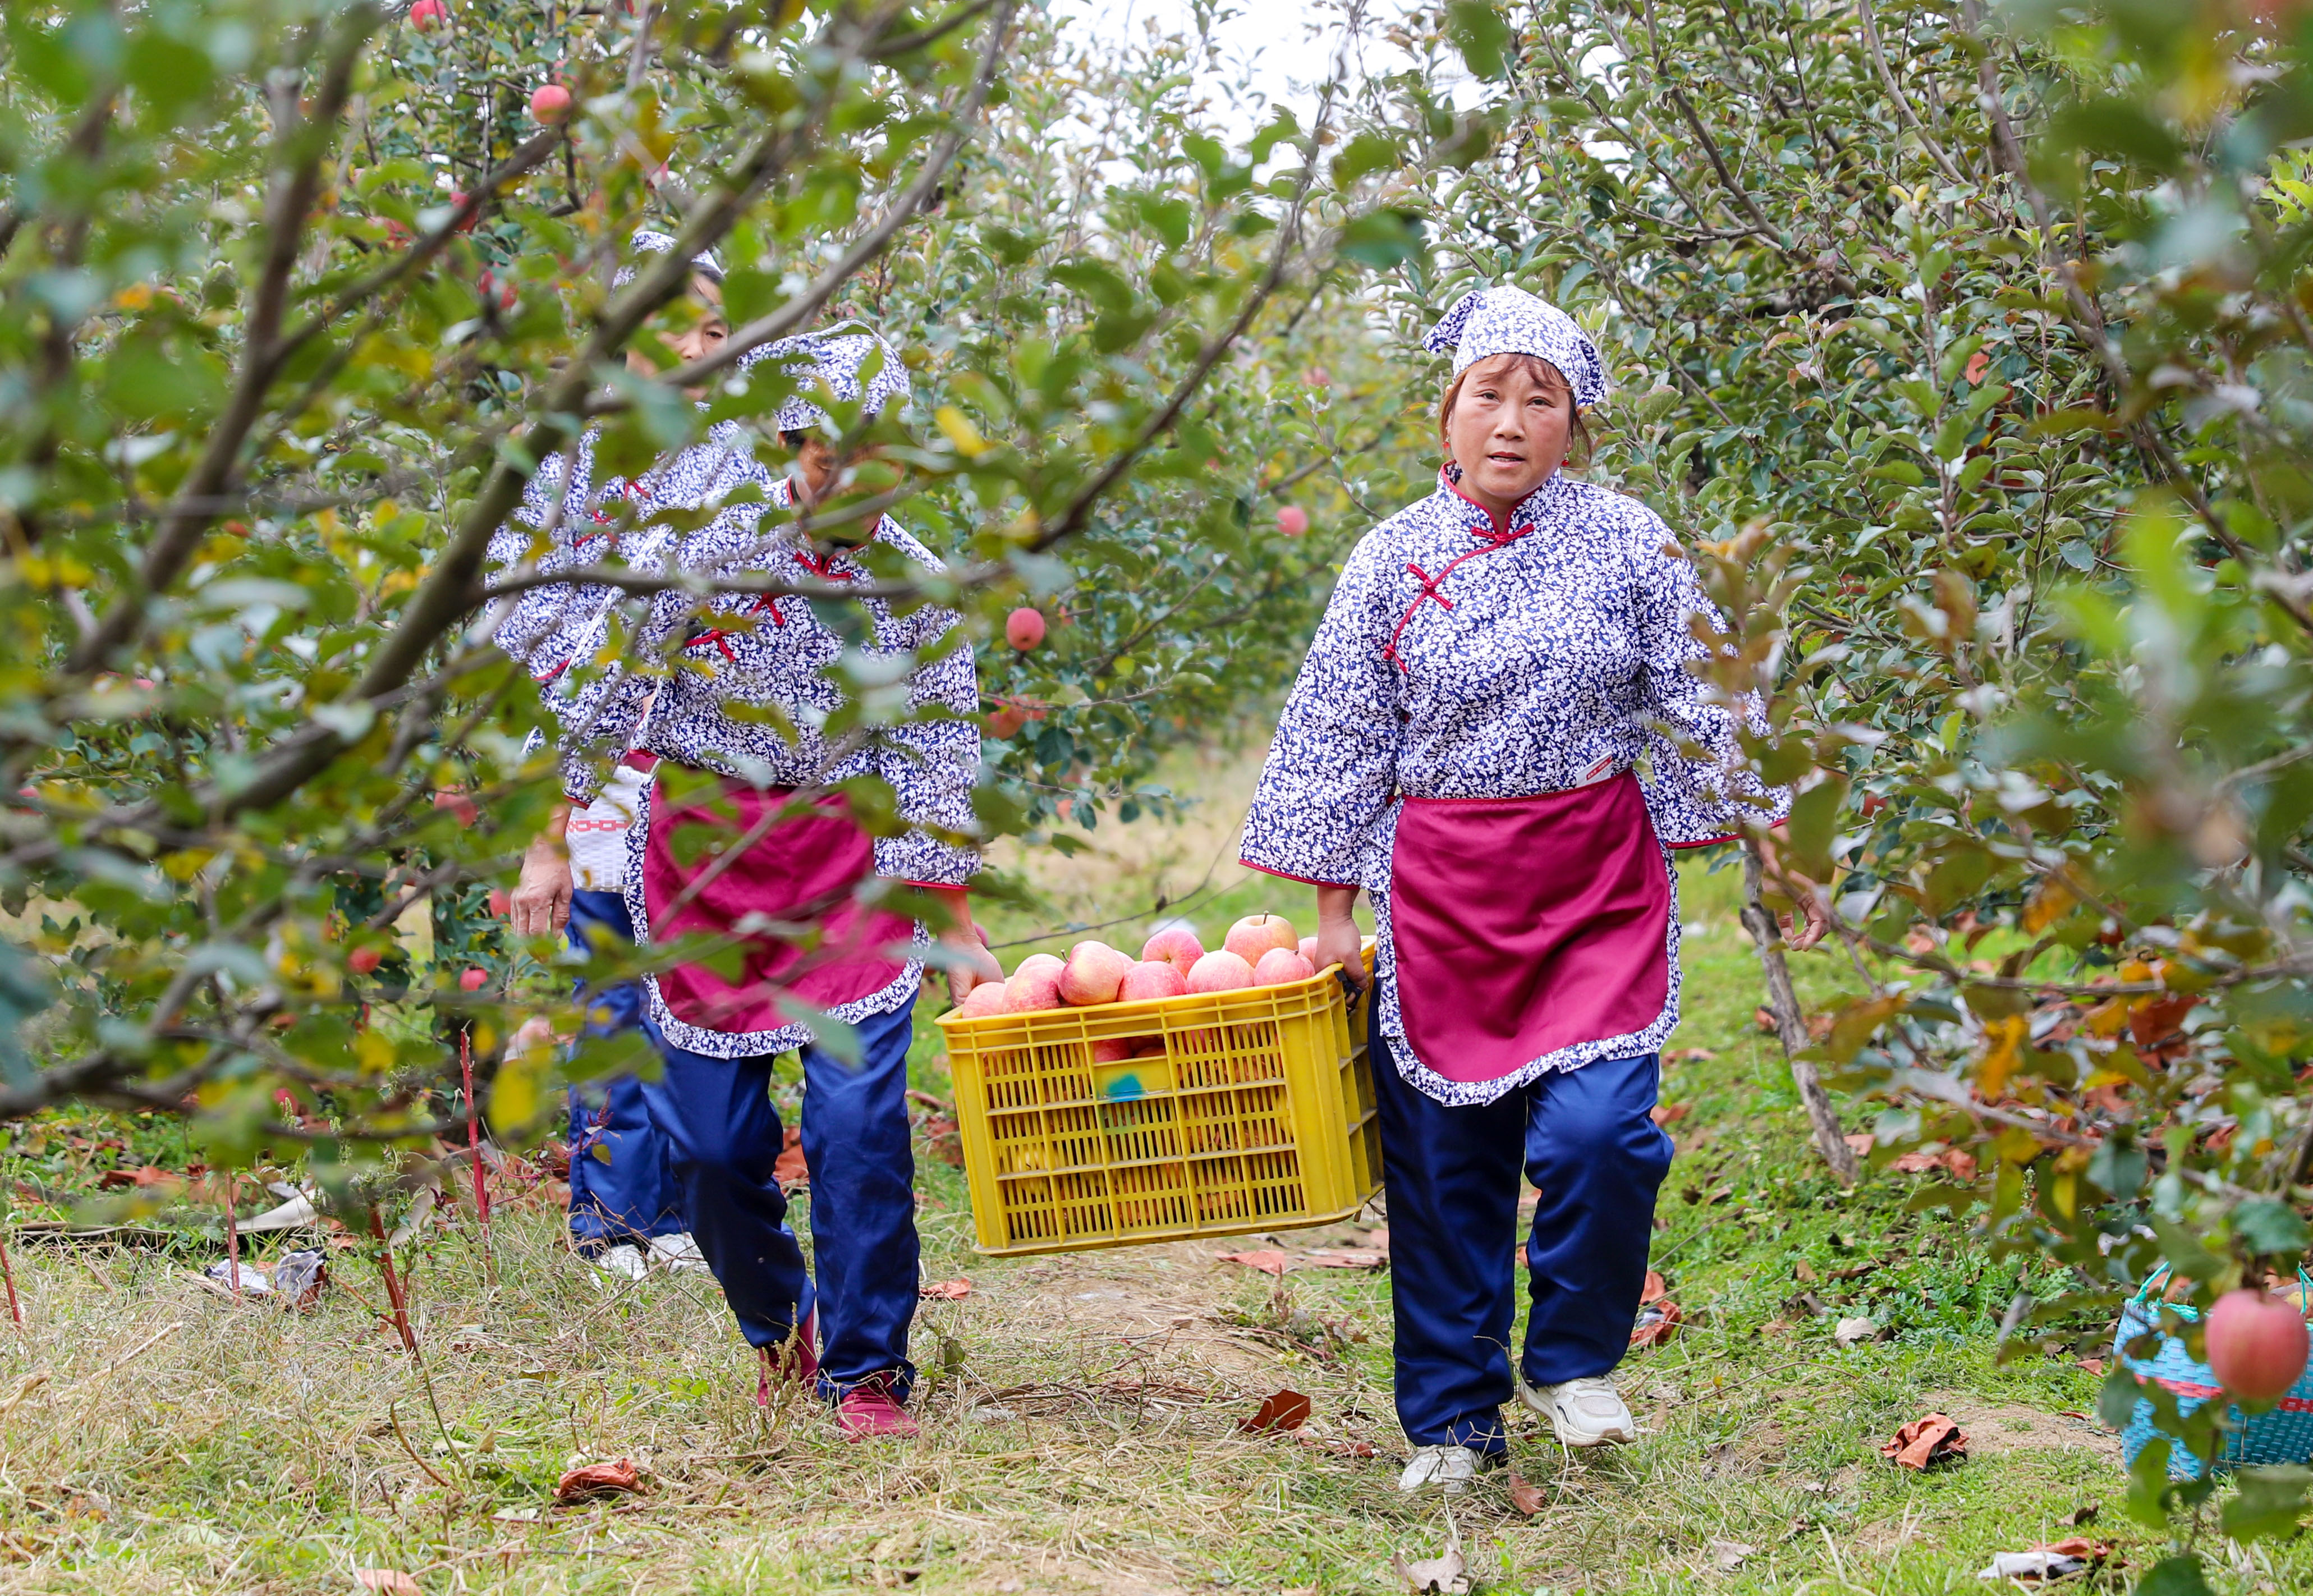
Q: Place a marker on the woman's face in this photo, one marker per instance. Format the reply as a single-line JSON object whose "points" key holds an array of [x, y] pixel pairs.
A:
{"points": [[704, 336], [1509, 430], [816, 469]]}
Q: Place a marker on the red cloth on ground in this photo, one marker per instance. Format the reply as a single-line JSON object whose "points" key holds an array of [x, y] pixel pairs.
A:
{"points": [[1524, 925]]}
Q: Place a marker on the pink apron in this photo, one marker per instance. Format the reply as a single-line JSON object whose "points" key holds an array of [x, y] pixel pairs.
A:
{"points": [[804, 871], [1522, 925]]}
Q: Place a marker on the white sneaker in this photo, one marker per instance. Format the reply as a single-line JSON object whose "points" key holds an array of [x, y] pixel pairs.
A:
{"points": [[1451, 1468], [624, 1260], [1589, 1412], [679, 1253]]}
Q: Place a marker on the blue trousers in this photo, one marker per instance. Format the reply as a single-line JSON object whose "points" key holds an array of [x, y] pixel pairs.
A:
{"points": [[725, 1136], [1584, 1139], [622, 1186]]}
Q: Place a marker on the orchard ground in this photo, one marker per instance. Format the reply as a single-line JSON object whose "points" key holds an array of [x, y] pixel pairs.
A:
{"points": [[1081, 1413]]}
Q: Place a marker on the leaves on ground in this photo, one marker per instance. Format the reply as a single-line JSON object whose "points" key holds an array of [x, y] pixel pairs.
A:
{"points": [[1926, 1442], [1269, 1260], [1658, 1321], [618, 1477], [1448, 1575], [944, 1290], [1283, 1409]]}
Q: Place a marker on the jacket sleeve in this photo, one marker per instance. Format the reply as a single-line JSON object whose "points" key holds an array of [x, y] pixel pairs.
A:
{"points": [[531, 625], [1699, 787], [1332, 767], [931, 764]]}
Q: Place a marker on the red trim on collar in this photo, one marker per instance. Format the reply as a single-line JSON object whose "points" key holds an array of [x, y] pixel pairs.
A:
{"points": [[1497, 531]]}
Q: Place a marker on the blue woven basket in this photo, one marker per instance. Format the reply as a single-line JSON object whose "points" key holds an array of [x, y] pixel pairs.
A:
{"points": [[2285, 1435]]}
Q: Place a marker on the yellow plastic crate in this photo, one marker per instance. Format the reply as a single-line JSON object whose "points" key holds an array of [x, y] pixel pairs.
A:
{"points": [[1257, 1115]]}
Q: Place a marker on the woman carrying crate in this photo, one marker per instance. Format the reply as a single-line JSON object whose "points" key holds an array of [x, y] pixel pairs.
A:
{"points": [[1463, 743], [732, 699]]}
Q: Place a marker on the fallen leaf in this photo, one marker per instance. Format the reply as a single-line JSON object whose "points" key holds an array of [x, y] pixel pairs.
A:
{"points": [[1447, 1575], [1680, 1055], [1764, 1019], [1923, 1442], [944, 1140], [1279, 1410], [1654, 1290], [390, 1581], [113, 1180], [1269, 1260], [1730, 1554], [1655, 1324], [598, 1479], [1377, 1238], [1339, 1449], [1804, 1272], [944, 1290], [1670, 1113], [1860, 1143], [789, 1169], [2095, 1366], [1526, 1498], [1852, 1332]]}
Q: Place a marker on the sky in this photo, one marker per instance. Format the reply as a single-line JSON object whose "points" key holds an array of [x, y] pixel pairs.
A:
{"points": [[1275, 37]]}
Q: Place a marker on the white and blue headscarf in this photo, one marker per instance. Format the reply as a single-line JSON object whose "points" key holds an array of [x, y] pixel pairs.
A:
{"points": [[648, 242], [1505, 321], [847, 363]]}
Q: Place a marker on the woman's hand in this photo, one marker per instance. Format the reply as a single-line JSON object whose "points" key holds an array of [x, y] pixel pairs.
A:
{"points": [[974, 963], [541, 899], [1339, 940], [1805, 928]]}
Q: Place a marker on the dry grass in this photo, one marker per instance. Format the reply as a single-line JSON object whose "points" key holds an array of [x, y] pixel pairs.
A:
{"points": [[1080, 1413]]}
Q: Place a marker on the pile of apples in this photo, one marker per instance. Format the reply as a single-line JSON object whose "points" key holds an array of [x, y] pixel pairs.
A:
{"points": [[1259, 950]]}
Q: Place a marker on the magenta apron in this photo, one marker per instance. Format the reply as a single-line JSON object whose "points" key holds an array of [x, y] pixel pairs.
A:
{"points": [[804, 870], [1524, 925]]}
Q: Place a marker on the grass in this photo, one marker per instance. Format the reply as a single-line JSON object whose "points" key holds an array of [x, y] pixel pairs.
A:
{"points": [[1081, 1413]]}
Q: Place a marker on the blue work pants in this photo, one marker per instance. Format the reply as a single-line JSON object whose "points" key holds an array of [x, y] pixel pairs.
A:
{"points": [[1586, 1139], [622, 1186], [725, 1136]]}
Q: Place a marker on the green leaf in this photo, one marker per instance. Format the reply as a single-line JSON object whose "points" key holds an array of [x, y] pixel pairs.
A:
{"points": [[2174, 1576], [1481, 33], [1363, 155], [2269, 1503], [1814, 823], [1383, 239], [2270, 1228]]}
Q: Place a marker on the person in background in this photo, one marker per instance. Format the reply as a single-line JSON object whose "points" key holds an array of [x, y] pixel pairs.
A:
{"points": [[740, 837], [626, 1205], [1464, 743]]}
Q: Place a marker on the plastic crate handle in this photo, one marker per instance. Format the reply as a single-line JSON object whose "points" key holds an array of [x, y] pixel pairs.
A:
{"points": [[2304, 1286]]}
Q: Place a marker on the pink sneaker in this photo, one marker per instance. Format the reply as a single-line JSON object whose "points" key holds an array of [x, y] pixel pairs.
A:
{"points": [[795, 1364], [871, 1413]]}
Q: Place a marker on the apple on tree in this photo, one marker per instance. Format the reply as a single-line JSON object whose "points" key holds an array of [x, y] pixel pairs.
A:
{"points": [[2258, 1343], [1024, 628]]}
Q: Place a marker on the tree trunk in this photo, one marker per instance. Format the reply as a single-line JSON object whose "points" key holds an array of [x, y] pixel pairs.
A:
{"points": [[1790, 1025]]}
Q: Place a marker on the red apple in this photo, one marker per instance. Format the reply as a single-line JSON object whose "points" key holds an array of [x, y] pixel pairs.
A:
{"points": [[1006, 722], [361, 961], [500, 902], [1024, 628], [2258, 1343], [460, 805], [1220, 971], [1292, 521], [1112, 1050], [1151, 979], [1282, 966], [458, 197], [983, 999], [1092, 972], [428, 15], [490, 288], [1148, 1047], [1309, 950], [474, 979], [1035, 986], [550, 102], [1256, 934], [1176, 945]]}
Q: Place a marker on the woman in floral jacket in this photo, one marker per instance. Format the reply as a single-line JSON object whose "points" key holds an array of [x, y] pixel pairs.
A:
{"points": [[1496, 737]]}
